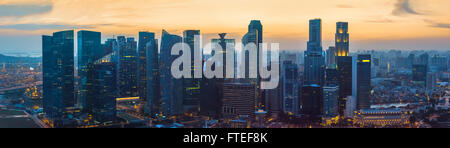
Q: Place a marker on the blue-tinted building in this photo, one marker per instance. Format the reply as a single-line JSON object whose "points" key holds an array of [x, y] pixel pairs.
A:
{"points": [[363, 84], [314, 56], [191, 86], [58, 73], [290, 74], [89, 50], [171, 88], [127, 66], [144, 39], [153, 90]]}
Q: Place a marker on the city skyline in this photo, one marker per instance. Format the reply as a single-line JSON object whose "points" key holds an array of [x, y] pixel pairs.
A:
{"points": [[376, 24]]}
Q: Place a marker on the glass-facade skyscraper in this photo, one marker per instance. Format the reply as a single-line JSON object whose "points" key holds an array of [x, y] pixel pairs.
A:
{"points": [[127, 66], [363, 84], [144, 39], [191, 90], [58, 73], [89, 50], [314, 58], [171, 88]]}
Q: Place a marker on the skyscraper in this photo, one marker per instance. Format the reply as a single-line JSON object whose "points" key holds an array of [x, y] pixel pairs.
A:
{"points": [[314, 58], [331, 57], [191, 86], [144, 39], [344, 67], [58, 73], [171, 88], [153, 89], [127, 66], [330, 101], [363, 73], [89, 50], [312, 101], [239, 100], [291, 85], [342, 39], [101, 99], [254, 35]]}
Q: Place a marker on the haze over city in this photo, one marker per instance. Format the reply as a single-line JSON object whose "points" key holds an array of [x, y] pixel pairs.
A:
{"points": [[375, 24]]}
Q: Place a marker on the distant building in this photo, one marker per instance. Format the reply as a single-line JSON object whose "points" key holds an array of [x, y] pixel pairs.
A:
{"points": [[312, 101], [382, 118], [238, 100], [331, 57], [342, 39], [431, 81], [419, 73], [330, 101], [58, 73], [290, 87], [350, 106]]}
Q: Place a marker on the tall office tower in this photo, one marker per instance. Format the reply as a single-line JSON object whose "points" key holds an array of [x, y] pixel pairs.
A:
{"points": [[89, 51], [312, 101], [439, 62], [153, 91], [361, 79], [314, 58], [331, 57], [58, 73], [330, 101], [101, 97], [223, 42], [331, 77], [411, 60], [290, 87], [419, 72], [423, 59], [127, 67], [239, 100], [191, 86], [108, 47], [144, 39], [171, 88], [342, 39], [350, 107], [254, 35], [344, 67]]}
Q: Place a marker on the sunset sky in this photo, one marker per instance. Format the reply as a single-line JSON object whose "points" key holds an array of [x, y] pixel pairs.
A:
{"points": [[373, 24]]}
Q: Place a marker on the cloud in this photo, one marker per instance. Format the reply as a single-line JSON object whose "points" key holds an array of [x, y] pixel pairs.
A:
{"points": [[403, 7], [32, 27], [20, 10], [438, 24]]}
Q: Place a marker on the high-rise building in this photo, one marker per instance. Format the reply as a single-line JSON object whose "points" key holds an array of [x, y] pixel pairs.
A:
{"points": [[144, 39], [431, 80], [419, 72], [89, 51], [127, 67], [330, 101], [171, 88], [312, 101], [101, 99], [290, 87], [314, 58], [362, 85], [342, 39], [58, 73], [255, 36], [153, 86], [191, 86], [331, 77], [238, 100], [331, 57], [344, 67]]}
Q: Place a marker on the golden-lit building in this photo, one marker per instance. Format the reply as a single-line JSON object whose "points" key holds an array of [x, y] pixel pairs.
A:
{"points": [[382, 118], [342, 39]]}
